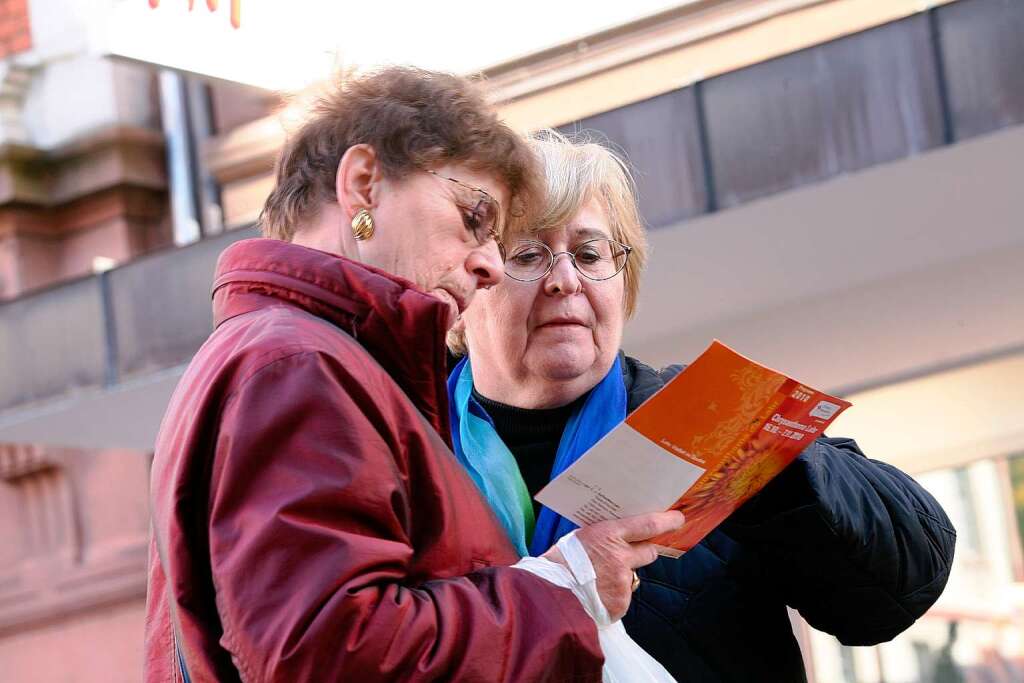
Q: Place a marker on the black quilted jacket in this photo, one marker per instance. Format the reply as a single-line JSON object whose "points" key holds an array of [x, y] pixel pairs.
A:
{"points": [[855, 545]]}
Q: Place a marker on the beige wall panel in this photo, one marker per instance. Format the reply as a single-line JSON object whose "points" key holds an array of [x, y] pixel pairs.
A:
{"points": [[947, 419], [701, 59], [110, 524], [103, 646]]}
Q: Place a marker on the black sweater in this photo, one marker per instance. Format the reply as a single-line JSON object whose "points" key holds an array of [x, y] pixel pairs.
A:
{"points": [[532, 435]]}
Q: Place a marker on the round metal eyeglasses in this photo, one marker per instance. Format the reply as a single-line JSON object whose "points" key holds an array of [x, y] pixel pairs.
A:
{"points": [[596, 259], [480, 214]]}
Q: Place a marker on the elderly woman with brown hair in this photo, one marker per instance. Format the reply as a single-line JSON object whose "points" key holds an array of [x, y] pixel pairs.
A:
{"points": [[309, 520], [858, 547]]}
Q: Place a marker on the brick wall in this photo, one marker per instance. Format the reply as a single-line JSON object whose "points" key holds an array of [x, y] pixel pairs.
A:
{"points": [[15, 33], [102, 195]]}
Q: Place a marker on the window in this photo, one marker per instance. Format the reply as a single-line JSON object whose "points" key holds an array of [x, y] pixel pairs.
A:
{"points": [[1017, 487]]}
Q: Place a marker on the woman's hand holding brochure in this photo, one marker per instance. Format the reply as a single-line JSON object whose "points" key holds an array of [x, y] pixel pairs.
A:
{"points": [[625, 661]]}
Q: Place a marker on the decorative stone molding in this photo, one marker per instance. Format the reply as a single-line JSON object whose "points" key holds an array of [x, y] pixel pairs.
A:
{"points": [[18, 461], [56, 562], [112, 157], [37, 477], [14, 82], [103, 195]]}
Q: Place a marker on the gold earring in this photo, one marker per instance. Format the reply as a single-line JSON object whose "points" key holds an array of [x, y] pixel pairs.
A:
{"points": [[362, 225]]}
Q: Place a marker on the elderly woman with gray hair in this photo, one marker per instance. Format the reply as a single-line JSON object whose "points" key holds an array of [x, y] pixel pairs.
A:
{"points": [[855, 545]]}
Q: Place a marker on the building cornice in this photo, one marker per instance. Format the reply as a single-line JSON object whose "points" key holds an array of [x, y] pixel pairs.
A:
{"points": [[632, 62], [647, 37], [110, 157], [619, 66], [246, 151], [674, 49]]}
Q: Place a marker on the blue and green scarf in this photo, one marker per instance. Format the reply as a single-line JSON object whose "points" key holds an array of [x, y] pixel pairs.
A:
{"points": [[494, 469]]}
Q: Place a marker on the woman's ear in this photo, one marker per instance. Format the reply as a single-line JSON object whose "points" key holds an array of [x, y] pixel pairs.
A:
{"points": [[357, 181]]}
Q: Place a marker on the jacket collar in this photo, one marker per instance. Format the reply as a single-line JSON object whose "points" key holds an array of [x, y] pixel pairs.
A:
{"points": [[642, 381], [400, 326]]}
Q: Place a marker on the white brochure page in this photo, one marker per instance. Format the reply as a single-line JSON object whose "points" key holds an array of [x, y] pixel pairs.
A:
{"points": [[624, 474]]}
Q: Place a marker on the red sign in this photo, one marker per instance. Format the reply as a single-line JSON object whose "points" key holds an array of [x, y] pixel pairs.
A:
{"points": [[212, 5]]}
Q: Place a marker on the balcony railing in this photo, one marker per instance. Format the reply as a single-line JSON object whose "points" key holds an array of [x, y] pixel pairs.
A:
{"points": [[935, 78], [97, 331]]}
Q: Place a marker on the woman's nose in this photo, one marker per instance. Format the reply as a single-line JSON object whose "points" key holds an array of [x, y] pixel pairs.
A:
{"points": [[563, 278], [485, 263]]}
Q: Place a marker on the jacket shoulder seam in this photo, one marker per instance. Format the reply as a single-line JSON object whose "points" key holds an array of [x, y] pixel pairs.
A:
{"points": [[265, 361]]}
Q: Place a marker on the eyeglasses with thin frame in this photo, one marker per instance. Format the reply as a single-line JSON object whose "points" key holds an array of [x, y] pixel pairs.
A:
{"points": [[596, 259], [481, 219]]}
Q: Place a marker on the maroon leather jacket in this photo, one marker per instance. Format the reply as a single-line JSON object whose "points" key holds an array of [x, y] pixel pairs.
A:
{"points": [[310, 522]]}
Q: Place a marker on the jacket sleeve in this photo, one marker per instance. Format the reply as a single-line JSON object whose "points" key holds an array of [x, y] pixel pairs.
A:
{"points": [[858, 547], [311, 557]]}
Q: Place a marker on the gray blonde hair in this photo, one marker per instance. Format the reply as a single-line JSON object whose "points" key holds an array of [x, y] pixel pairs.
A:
{"points": [[574, 170], [577, 169]]}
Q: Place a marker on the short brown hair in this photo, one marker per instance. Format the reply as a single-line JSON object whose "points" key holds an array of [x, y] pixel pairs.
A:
{"points": [[412, 118]]}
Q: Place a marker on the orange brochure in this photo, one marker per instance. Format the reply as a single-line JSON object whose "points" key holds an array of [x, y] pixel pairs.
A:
{"points": [[704, 444]]}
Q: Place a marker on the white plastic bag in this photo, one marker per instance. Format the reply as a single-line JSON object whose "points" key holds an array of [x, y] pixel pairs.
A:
{"points": [[624, 660]]}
